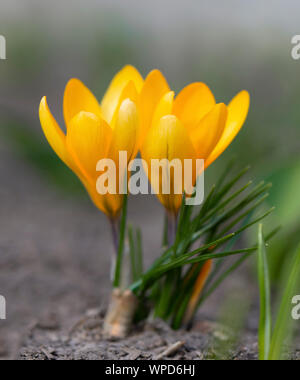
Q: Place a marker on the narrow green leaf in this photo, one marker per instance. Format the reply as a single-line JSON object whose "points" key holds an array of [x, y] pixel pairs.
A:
{"points": [[244, 203], [186, 256], [205, 208], [220, 255], [265, 323], [226, 172], [165, 268], [258, 219], [229, 246], [211, 225], [224, 191], [226, 202], [284, 320], [182, 259], [221, 279], [232, 268], [245, 214]]}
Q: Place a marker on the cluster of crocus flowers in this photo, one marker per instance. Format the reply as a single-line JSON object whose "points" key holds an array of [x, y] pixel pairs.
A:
{"points": [[145, 115], [137, 115], [96, 131]]}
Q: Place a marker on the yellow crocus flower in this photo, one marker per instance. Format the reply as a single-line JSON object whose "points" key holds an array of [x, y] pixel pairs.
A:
{"points": [[190, 126], [96, 131]]}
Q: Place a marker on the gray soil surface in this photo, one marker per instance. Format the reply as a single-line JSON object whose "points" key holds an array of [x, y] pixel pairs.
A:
{"points": [[152, 341], [54, 266]]}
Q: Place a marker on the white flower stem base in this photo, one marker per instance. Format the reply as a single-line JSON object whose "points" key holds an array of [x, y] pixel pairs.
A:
{"points": [[120, 314]]}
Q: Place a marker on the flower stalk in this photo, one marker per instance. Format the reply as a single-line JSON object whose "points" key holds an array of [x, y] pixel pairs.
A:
{"points": [[115, 232]]}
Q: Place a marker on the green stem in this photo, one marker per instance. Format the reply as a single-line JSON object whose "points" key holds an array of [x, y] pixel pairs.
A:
{"points": [[118, 272], [163, 304], [115, 232]]}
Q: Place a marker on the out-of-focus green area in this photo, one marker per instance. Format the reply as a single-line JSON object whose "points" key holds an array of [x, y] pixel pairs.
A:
{"points": [[93, 44]]}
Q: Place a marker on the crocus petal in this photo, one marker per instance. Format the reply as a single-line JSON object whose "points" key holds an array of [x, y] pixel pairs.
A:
{"points": [[167, 140], [209, 131], [123, 140], [193, 103], [57, 141], [100, 201], [125, 131], [155, 87], [79, 98], [237, 114], [55, 136], [88, 140], [129, 92], [198, 288], [164, 107], [111, 98]]}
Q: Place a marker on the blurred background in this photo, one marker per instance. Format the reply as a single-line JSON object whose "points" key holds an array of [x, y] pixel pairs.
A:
{"points": [[50, 232]]}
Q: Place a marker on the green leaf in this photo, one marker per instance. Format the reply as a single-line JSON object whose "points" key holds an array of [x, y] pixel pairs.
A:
{"points": [[229, 167], [226, 202], [231, 269], [222, 218], [230, 185], [160, 269], [245, 214], [265, 324], [171, 278], [180, 260], [166, 268], [284, 322]]}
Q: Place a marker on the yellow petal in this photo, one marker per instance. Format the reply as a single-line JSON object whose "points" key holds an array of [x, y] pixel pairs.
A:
{"points": [[193, 103], [155, 87], [79, 98], [108, 204], [88, 140], [125, 132], [112, 96], [237, 114], [129, 92], [167, 140], [164, 107], [124, 140], [209, 131], [55, 136]]}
